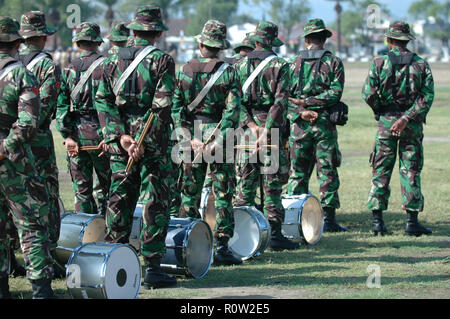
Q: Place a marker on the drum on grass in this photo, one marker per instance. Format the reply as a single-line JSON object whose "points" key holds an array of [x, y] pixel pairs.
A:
{"points": [[104, 271], [303, 218], [207, 207], [77, 229], [189, 248], [251, 232], [136, 227]]}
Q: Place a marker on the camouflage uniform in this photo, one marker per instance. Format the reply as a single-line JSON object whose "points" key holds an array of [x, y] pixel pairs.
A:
{"points": [[222, 103], [79, 120], [118, 34], [22, 191], [315, 143], [246, 44], [126, 114], [48, 75], [394, 92], [264, 103]]}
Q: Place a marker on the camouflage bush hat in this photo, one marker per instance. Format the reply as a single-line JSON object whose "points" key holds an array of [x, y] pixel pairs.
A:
{"points": [[32, 24], [214, 34], [118, 32], [399, 30], [130, 41], [315, 26], [147, 18], [87, 31], [9, 30], [266, 33], [246, 43]]}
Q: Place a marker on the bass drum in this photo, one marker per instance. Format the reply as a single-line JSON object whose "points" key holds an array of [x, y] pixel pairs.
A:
{"points": [[189, 248], [104, 271], [207, 207], [251, 232], [77, 229], [304, 218]]}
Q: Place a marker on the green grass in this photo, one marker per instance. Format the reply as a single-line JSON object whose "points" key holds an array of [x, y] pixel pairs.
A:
{"points": [[337, 266]]}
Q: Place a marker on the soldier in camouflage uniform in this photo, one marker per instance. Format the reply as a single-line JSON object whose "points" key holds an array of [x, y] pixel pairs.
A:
{"points": [[78, 123], [22, 190], [264, 113], [317, 84], [219, 108], [241, 50], [400, 91], [118, 35], [123, 118]]}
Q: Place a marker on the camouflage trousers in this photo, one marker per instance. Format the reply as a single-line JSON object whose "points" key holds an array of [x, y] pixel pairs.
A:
{"points": [[410, 152], [24, 194], [315, 144], [153, 171], [81, 170]]}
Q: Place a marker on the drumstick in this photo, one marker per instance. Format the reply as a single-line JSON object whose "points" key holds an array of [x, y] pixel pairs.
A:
{"points": [[141, 139], [90, 148], [208, 140], [254, 146]]}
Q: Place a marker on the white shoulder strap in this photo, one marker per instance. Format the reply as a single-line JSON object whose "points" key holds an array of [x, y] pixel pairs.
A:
{"points": [[256, 72], [208, 86], [36, 59], [8, 69], [85, 77], [133, 65]]}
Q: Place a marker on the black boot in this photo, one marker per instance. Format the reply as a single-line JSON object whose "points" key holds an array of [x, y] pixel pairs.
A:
{"points": [[223, 256], [42, 289], [155, 277], [331, 225], [4, 288], [17, 270], [278, 241], [378, 224], [413, 227]]}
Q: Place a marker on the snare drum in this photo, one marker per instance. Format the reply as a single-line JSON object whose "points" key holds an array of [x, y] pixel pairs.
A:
{"points": [[207, 207], [251, 232], [104, 271], [77, 229], [303, 218], [189, 248], [136, 227]]}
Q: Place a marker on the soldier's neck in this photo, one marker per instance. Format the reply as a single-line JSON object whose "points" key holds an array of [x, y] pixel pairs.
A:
{"points": [[8, 52], [209, 55]]}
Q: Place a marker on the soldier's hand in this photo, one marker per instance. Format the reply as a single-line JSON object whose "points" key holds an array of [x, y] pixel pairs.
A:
{"points": [[310, 116], [197, 145], [131, 147], [103, 147], [2, 156], [398, 127], [262, 139], [71, 147], [299, 102]]}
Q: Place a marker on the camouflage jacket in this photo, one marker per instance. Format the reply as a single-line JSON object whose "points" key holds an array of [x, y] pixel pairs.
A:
{"points": [[113, 50], [383, 88], [48, 75], [320, 91], [78, 119], [19, 111], [269, 91], [223, 101], [128, 112]]}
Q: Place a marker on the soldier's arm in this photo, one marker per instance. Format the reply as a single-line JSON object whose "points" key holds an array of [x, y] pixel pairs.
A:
{"points": [[371, 88], [277, 112], [245, 117], [230, 118], [26, 93], [333, 95], [294, 111], [63, 123], [49, 90], [422, 105], [179, 103]]}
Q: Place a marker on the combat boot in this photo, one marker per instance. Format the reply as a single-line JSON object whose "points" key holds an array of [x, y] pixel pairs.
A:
{"points": [[223, 256], [330, 223], [155, 277], [278, 241], [42, 289], [378, 224], [4, 288], [413, 227]]}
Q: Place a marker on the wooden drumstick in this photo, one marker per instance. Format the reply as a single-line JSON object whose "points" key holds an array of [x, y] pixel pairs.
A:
{"points": [[90, 148], [141, 139], [254, 146], [208, 140]]}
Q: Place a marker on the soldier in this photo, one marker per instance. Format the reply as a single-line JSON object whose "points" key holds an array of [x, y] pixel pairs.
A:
{"points": [[78, 123], [34, 30], [264, 110], [22, 191], [241, 50], [317, 84], [118, 35], [124, 108], [220, 107], [400, 91]]}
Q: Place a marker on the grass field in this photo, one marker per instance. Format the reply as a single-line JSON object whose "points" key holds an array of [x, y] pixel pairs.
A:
{"points": [[337, 267]]}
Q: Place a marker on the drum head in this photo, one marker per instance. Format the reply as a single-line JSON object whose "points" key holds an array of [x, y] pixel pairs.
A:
{"points": [[247, 234], [312, 220], [94, 231], [122, 274], [210, 216], [199, 248]]}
